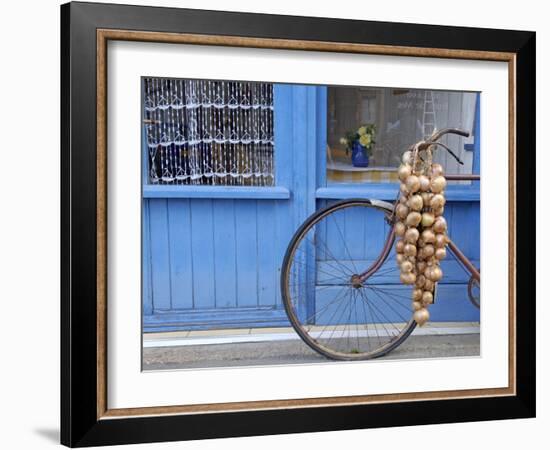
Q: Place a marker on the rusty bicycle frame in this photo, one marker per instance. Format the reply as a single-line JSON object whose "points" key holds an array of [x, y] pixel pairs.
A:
{"points": [[423, 145]]}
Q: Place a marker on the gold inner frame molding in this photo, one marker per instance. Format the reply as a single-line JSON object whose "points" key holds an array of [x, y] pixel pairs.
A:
{"points": [[105, 35]]}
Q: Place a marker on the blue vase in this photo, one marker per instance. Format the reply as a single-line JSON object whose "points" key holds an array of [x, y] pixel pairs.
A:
{"points": [[359, 156]]}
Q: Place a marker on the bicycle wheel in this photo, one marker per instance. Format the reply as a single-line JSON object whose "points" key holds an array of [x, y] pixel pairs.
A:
{"points": [[340, 283]]}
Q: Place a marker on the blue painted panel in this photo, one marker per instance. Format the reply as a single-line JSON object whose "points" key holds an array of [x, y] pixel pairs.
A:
{"points": [[321, 126], [355, 231], [249, 192], [283, 233], [389, 192], [283, 130], [225, 250], [452, 305], [160, 255], [284, 175], [267, 247], [202, 249], [463, 222], [300, 155], [181, 263], [247, 254], [146, 260], [216, 318]]}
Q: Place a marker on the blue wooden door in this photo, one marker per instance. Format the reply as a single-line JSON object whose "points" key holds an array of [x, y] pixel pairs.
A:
{"points": [[212, 254]]}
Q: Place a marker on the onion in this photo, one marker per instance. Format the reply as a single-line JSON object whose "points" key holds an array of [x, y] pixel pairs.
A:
{"points": [[420, 242], [421, 316], [420, 281], [428, 273], [427, 298], [440, 240], [409, 250], [400, 257], [417, 294], [415, 202], [428, 236], [402, 211], [400, 228], [413, 183], [411, 235], [399, 246], [438, 211], [403, 189], [421, 266], [404, 171], [427, 219], [437, 201], [407, 157], [429, 285], [403, 199], [437, 169], [428, 251], [424, 183], [407, 266], [438, 184], [426, 197], [434, 273], [413, 219], [440, 225], [407, 277], [416, 306], [440, 254]]}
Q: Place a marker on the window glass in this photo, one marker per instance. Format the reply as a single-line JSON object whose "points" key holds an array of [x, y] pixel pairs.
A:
{"points": [[392, 120]]}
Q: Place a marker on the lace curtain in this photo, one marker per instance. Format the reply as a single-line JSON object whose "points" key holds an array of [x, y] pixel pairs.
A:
{"points": [[203, 132]]}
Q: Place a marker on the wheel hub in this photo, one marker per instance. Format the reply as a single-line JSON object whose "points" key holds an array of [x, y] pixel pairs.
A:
{"points": [[356, 281]]}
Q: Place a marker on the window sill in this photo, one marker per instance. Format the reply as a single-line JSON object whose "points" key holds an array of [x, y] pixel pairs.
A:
{"points": [[389, 191], [235, 192]]}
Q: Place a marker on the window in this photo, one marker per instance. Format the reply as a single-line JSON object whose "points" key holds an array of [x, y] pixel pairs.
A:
{"points": [[204, 132], [401, 117]]}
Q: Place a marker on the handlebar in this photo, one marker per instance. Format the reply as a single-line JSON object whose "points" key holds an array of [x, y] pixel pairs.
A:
{"points": [[432, 140], [439, 134]]}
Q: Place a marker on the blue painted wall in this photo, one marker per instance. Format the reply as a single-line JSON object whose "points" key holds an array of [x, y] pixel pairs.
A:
{"points": [[212, 257]]}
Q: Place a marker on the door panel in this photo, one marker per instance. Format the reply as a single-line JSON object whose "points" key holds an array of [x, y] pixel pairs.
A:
{"points": [[215, 262]]}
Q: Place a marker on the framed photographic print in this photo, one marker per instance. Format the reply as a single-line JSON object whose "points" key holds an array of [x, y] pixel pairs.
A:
{"points": [[276, 224]]}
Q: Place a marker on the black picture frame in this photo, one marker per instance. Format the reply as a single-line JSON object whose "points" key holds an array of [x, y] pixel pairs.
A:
{"points": [[81, 423]]}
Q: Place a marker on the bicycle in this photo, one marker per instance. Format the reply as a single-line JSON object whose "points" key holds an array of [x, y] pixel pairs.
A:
{"points": [[338, 294]]}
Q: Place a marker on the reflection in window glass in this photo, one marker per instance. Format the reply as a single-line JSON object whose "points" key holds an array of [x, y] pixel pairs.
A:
{"points": [[399, 117]]}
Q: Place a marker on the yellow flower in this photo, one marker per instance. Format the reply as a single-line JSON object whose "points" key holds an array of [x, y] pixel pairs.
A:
{"points": [[343, 141], [362, 130], [365, 140]]}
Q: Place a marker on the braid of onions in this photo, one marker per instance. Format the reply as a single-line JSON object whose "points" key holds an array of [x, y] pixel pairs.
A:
{"points": [[421, 229]]}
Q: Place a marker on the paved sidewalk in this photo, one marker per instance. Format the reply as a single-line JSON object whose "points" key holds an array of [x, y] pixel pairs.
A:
{"points": [[220, 351]]}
